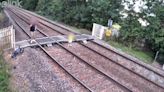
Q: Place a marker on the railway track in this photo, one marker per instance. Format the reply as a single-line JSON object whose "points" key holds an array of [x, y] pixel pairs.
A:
{"points": [[114, 62], [80, 71], [130, 69], [100, 76], [109, 49], [148, 67], [128, 58]]}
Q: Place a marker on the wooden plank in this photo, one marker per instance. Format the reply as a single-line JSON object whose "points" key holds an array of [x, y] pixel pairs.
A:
{"points": [[51, 40]]}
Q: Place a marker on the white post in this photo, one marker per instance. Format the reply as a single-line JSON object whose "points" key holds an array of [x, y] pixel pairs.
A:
{"points": [[156, 56], [12, 37]]}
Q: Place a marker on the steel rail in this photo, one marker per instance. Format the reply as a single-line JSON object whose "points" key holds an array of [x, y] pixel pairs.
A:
{"points": [[119, 63], [128, 59], [48, 22], [39, 21], [55, 61], [25, 21], [122, 66], [17, 24]]}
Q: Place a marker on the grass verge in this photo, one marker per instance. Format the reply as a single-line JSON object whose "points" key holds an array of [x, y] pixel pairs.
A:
{"points": [[147, 57], [4, 76]]}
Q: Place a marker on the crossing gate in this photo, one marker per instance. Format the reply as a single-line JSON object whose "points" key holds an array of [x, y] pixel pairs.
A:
{"points": [[7, 38]]}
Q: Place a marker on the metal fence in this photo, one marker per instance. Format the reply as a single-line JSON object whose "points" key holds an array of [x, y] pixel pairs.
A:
{"points": [[7, 38]]}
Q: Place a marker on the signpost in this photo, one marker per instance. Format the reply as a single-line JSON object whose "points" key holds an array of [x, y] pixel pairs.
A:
{"points": [[110, 23], [98, 31]]}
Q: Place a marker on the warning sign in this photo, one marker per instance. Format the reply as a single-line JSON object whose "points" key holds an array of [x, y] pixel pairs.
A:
{"points": [[98, 31], [108, 32]]}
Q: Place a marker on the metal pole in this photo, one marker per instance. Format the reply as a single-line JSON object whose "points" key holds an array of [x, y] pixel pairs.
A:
{"points": [[156, 56]]}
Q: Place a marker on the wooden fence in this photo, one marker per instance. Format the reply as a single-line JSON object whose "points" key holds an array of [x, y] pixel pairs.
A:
{"points": [[7, 38]]}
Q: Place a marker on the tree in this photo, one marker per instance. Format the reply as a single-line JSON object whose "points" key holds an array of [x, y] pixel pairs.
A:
{"points": [[153, 34], [156, 26], [30, 4], [81, 13], [132, 31]]}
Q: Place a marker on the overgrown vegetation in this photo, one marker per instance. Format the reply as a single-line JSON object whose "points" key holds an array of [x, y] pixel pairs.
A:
{"points": [[144, 56], [4, 76], [81, 13]]}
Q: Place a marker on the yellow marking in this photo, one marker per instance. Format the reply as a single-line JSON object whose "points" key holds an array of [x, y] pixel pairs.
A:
{"points": [[108, 32], [116, 26], [71, 38]]}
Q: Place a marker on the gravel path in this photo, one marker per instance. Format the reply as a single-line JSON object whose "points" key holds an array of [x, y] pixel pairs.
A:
{"points": [[34, 73]]}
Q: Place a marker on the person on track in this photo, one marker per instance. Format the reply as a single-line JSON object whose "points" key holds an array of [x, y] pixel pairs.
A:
{"points": [[17, 51], [33, 28]]}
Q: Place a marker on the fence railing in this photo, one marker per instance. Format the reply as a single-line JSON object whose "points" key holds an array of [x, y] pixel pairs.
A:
{"points": [[7, 38]]}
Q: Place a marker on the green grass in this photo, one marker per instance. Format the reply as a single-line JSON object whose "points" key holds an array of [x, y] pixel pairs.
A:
{"points": [[144, 56], [4, 76]]}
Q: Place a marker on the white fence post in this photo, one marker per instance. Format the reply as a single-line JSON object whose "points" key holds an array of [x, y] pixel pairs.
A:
{"points": [[7, 37], [12, 37]]}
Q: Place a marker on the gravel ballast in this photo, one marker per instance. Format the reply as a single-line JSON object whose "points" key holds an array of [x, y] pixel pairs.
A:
{"points": [[31, 72]]}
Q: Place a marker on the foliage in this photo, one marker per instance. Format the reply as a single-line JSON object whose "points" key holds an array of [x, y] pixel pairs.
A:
{"points": [[0, 6], [160, 58], [156, 36], [131, 29], [4, 77], [30, 4], [81, 13], [153, 34]]}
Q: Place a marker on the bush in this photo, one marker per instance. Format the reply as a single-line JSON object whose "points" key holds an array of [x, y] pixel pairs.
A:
{"points": [[160, 58], [81, 13], [4, 76]]}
